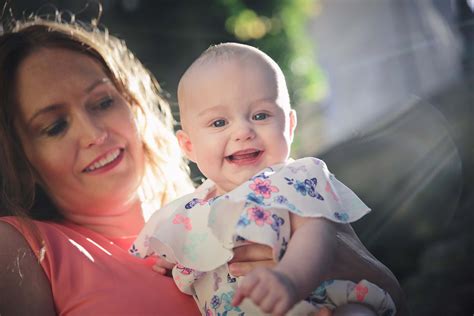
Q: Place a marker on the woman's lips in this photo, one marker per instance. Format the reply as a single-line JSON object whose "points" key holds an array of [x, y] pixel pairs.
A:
{"points": [[107, 162]]}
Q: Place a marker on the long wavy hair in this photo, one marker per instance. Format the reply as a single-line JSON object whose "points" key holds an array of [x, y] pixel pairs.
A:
{"points": [[166, 173]]}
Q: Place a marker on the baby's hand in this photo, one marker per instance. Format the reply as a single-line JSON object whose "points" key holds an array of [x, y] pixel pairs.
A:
{"points": [[272, 291], [162, 266]]}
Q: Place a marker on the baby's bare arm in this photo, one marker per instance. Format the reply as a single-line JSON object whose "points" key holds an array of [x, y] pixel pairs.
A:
{"points": [[310, 254]]}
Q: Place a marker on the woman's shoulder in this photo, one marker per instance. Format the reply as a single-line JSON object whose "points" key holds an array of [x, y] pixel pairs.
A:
{"points": [[12, 238], [19, 270]]}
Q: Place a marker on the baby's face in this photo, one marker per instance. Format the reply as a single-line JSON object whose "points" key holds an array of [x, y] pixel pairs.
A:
{"points": [[236, 119]]}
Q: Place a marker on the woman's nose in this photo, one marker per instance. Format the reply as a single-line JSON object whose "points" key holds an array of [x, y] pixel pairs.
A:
{"points": [[244, 131], [91, 132]]}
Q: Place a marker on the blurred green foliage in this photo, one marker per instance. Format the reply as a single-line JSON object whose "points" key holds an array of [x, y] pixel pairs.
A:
{"points": [[279, 29]]}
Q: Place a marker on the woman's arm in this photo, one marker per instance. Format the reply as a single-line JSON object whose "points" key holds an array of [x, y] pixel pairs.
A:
{"points": [[24, 288], [353, 262]]}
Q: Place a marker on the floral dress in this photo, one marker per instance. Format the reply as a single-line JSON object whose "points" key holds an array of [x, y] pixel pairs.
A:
{"points": [[199, 235]]}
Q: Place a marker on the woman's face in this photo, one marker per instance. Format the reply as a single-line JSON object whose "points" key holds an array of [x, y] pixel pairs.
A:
{"points": [[78, 133]]}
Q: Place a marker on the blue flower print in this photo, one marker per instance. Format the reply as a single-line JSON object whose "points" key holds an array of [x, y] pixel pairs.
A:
{"points": [[231, 279], [192, 203], [277, 223], [306, 187], [319, 296], [284, 245], [342, 216], [257, 199], [226, 299], [263, 175], [215, 302], [280, 199], [240, 239], [311, 188], [134, 251], [300, 187], [243, 221]]}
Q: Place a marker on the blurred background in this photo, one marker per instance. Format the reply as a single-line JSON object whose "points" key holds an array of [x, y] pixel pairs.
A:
{"points": [[384, 94]]}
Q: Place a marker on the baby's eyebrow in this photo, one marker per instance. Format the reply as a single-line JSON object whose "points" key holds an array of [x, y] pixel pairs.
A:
{"points": [[264, 100], [211, 110]]}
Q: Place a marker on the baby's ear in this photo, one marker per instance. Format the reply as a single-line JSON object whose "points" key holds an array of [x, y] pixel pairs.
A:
{"points": [[293, 123], [185, 144]]}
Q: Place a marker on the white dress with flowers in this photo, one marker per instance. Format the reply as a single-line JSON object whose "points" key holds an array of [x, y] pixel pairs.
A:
{"points": [[199, 235]]}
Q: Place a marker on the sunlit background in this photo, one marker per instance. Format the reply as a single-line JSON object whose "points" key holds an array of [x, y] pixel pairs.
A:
{"points": [[384, 93]]}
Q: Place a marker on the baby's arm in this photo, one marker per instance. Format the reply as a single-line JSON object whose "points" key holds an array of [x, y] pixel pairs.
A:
{"points": [[309, 256]]}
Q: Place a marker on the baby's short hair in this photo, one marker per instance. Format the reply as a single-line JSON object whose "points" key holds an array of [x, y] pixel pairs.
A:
{"points": [[230, 50]]}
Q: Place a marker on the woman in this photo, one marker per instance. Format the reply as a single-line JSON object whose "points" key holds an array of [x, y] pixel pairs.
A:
{"points": [[87, 146]]}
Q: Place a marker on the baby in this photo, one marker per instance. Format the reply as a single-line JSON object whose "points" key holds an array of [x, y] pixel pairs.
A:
{"points": [[238, 126]]}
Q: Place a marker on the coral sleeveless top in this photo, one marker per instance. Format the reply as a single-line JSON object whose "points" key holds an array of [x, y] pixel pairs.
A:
{"points": [[94, 275]]}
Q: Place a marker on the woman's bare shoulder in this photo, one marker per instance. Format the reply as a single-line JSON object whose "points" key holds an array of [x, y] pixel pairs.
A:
{"points": [[24, 286]]}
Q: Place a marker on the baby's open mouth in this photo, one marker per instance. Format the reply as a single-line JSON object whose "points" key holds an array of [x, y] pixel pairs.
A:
{"points": [[244, 155]]}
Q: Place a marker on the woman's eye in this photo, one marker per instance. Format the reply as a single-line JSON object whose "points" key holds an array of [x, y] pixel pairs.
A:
{"points": [[104, 104], [56, 128], [260, 116], [218, 123]]}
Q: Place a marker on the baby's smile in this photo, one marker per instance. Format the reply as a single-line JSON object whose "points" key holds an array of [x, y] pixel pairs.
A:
{"points": [[245, 157]]}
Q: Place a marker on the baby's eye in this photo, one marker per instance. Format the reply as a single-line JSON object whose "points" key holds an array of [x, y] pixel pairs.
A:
{"points": [[260, 116], [218, 123], [56, 128]]}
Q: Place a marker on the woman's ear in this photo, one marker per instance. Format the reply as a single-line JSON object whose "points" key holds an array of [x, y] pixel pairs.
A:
{"points": [[293, 122], [185, 144]]}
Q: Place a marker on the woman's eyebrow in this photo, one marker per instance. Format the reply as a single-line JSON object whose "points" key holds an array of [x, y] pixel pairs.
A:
{"points": [[55, 107], [45, 110], [97, 83]]}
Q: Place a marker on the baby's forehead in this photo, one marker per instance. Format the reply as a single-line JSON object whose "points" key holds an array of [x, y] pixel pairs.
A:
{"points": [[237, 65], [242, 56]]}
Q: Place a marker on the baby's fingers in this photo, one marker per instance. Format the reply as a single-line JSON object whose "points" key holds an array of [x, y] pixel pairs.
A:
{"points": [[162, 266], [160, 262], [159, 269], [245, 289], [268, 303]]}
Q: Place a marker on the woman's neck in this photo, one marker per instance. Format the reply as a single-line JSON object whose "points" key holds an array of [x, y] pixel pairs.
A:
{"points": [[127, 222]]}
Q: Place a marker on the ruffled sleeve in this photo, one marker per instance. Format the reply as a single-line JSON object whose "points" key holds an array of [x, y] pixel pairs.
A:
{"points": [[260, 206], [179, 233]]}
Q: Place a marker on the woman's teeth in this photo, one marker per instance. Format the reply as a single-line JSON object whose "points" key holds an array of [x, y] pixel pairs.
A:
{"points": [[104, 161]]}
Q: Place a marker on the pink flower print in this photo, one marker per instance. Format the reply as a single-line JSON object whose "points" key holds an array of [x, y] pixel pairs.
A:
{"points": [[182, 219], [259, 215], [183, 270], [331, 191], [361, 292], [263, 187]]}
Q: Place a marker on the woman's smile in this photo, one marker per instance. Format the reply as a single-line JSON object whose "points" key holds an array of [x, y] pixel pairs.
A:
{"points": [[105, 162]]}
